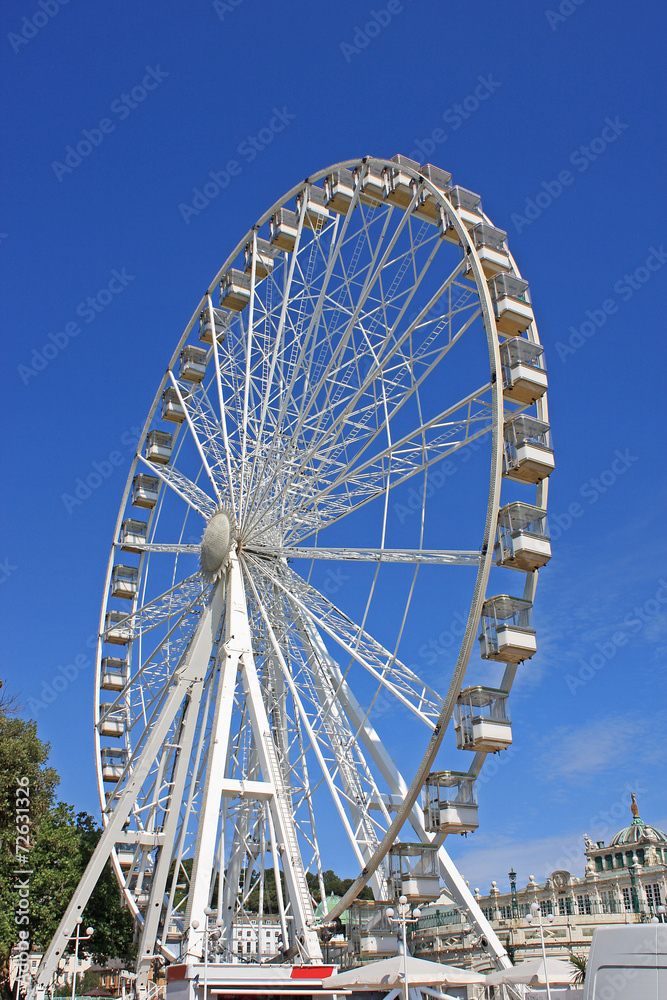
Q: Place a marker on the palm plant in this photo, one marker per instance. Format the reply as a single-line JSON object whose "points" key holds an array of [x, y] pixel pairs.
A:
{"points": [[578, 963]]}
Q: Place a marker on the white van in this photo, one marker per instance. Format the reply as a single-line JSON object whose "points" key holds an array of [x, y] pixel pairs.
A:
{"points": [[628, 963]]}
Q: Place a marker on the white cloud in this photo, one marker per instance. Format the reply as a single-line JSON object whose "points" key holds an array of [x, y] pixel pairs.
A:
{"points": [[597, 746]]}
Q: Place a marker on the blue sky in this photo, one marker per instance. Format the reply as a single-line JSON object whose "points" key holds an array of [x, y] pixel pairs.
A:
{"points": [[554, 114]]}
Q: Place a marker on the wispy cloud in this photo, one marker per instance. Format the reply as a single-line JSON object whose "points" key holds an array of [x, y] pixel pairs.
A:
{"points": [[594, 747]]}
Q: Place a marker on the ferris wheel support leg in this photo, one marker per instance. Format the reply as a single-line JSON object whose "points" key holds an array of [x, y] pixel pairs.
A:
{"points": [[372, 742], [187, 674], [280, 800], [466, 901]]}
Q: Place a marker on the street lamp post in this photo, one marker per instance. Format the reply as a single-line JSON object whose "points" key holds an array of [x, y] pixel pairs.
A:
{"points": [[403, 919], [76, 938], [208, 933], [535, 912]]}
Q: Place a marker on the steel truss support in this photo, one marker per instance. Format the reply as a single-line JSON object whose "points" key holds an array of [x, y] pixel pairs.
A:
{"points": [[187, 684]]}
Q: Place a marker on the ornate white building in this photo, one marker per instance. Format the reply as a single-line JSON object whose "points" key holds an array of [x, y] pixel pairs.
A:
{"points": [[624, 881]]}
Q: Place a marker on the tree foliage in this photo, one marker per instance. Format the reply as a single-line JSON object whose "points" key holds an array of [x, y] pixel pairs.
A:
{"points": [[40, 871]]}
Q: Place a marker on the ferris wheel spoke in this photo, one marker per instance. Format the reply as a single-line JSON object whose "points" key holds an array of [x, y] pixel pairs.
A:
{"points": [[176, 548], [373, 273], [395, 677], [195, 436], [355, 422], [299, 707], [223, 407], [183, 487], [177, 599], [310, 510], [211, 434], [310, 337], [410, 556]]}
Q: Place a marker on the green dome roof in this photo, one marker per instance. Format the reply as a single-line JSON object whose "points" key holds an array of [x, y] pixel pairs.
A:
{"points": [[638, 832]]}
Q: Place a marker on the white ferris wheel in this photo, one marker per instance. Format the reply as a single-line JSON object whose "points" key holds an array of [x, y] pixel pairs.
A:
{"points": [[347, 446]]}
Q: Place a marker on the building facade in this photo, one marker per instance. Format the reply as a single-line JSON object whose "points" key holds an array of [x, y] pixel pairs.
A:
{"points": [[624, 881]]}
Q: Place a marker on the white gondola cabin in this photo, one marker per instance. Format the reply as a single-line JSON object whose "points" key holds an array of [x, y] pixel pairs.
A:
{"points": [[133, 535], [489, 243], [400, 185], [113, 763], [172, 408], [469, 207], [159, 445], [192, 363], [221, 320], [482, 720], [111, 724], [316, 212], [339, 191], [428, 208], [113, 673], [124, 581], [373, 185], [125, 856], [451, 803], [507, 634], [524, 374], [370, 932], [522, 539], [117, 628], [235, 290], [528, 456], [414, 872], [283, 229], [265, 258], [514, 313], [145, 491]]}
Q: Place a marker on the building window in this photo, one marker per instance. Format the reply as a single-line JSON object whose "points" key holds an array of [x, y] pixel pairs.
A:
{"points": [[598, 864], [618, 858], [653, 896], [609, 861], [583, 905], [627, 901], [640, 855]]}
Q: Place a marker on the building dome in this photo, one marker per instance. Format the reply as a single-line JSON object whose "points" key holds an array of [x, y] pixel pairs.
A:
{"points": [[638, 832]]}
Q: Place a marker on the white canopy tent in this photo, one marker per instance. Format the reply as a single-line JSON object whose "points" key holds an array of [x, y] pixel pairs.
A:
{"points": [[388, 974], [532, 973]]}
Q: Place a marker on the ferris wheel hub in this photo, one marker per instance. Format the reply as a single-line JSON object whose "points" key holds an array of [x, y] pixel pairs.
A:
{"points": [[218, 538]]}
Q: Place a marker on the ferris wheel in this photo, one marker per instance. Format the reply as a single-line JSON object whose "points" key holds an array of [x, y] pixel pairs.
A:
{"points": [[350, 445]]}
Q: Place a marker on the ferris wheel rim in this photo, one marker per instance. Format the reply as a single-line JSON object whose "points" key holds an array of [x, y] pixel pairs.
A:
{"points": [[494, 489]]}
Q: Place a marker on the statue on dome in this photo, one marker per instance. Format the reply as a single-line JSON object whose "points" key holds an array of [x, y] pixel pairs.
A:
{"points": [[634, 807]]}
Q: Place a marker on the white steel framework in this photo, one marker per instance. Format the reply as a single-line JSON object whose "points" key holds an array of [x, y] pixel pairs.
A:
{"points": [[344, 408]]}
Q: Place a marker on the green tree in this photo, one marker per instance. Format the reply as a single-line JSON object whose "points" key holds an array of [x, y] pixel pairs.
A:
{"points": [[23, 769], [57, 847]]}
